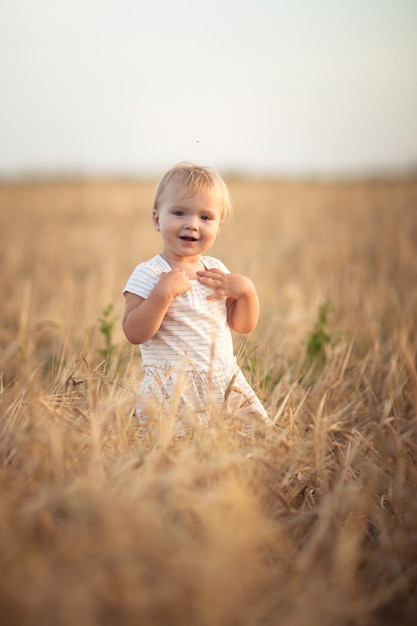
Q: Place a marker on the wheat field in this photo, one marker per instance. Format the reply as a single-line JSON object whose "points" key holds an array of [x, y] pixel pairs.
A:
{"points": [[312, 522]]}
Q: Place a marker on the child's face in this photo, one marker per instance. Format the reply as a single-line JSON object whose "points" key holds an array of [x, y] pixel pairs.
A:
{"points": [[188, 225]]}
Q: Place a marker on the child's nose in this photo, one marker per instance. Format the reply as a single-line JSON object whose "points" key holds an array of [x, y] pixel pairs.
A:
{"points": [[192, 222]]}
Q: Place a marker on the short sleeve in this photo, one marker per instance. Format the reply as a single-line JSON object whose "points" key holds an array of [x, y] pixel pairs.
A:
{"points": [[144, 278]]}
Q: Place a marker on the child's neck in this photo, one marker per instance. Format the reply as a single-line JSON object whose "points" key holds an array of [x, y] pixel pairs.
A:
{"points": [[190, 265]]}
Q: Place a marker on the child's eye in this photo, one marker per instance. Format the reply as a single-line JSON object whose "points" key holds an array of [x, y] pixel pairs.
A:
{"points": [[206, 218], [178, 213]]}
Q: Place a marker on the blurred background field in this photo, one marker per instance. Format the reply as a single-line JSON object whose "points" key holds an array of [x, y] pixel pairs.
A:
{"points": [[311, 522]]}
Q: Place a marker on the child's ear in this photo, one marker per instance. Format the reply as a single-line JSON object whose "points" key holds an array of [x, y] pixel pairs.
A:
{"points": [[155, 218]]}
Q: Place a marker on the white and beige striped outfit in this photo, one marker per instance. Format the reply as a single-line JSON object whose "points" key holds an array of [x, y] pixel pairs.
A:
{"points": [[190, 358]]}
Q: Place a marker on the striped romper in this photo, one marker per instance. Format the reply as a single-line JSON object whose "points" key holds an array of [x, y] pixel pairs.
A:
{"points": [[190, 360]]}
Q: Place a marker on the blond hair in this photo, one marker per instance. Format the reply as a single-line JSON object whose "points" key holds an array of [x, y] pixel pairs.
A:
{"points": [[196, 179]]}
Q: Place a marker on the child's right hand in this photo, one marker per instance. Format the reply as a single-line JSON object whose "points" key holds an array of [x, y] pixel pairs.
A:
{"points": [[143, 316], [174, 283]]}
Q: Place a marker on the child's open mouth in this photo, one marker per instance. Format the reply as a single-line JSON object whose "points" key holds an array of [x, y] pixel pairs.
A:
{"points": [[188, 238]]}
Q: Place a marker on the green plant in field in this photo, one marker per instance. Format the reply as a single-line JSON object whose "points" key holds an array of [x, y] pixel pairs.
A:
{"points": [[319, 337], [261, 376], [107, 321]]}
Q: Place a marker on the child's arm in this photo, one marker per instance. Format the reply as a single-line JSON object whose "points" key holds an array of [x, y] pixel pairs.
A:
{"points": [[241, 298], [143, 317]]}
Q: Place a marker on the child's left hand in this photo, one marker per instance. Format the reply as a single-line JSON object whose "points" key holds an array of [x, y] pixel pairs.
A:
{"points": [[225, 285]]}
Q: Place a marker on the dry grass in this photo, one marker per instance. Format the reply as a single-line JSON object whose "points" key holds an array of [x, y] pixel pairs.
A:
{"points": [[313, 522]]}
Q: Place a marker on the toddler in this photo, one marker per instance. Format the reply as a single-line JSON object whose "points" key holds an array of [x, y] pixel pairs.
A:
{"points": [[182, 305]]}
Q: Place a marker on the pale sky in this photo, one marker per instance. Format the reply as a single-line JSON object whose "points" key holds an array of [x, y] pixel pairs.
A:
{"points": [[255, 86]]}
